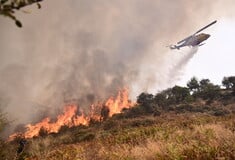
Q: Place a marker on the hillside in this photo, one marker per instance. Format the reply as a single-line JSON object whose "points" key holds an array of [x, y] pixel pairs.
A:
{"points": [[169, 136], [177, 123]]}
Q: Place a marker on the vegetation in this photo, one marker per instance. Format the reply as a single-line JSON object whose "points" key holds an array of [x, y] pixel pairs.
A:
{"points": [[193, 122], [8, 8], [3, 121], [169, 136], [229, 83], [199, 96]]}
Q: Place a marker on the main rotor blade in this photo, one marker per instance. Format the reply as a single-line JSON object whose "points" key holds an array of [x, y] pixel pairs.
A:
{"points": [[206, 27], [184, 39]]}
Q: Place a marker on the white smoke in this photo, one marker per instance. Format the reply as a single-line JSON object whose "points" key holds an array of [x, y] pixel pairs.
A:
{"points": [[87, 50], [178, 67]]}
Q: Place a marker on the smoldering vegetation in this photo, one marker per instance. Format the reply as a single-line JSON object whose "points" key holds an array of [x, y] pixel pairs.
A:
{"points": [[87, 50]]}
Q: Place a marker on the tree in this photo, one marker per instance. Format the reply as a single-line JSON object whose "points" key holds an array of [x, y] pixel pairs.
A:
{"points": [[160, 99], [209, 91], [226, 83], [204, 83], [146, 102], [8, 8], [193, 84], [170, 98], [229, 83], [144, 98], [180, 93]]}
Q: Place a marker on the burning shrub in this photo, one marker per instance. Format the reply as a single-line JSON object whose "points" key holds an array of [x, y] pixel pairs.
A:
{"points": [[64, 129], [42, 132], [71, 118], [104, 112]]}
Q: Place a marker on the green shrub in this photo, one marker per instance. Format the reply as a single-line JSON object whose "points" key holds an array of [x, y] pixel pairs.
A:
{"points": [[84, 136], [110, 124], [142, 122], [220, 112]]}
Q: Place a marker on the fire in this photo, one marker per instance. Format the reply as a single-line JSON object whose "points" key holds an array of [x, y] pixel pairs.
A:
{"points": [[116, 105], [70, 118]]}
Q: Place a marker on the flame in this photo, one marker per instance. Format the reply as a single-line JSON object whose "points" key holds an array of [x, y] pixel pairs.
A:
{"points": [[70, 118], [116, 105]]}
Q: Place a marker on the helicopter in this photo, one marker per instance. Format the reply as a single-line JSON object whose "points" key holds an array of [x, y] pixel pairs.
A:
{"points": [[194, 39]]}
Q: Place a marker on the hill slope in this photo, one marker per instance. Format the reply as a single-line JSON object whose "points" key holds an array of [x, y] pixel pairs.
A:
{"points": [[173, 124], [169, 136]]}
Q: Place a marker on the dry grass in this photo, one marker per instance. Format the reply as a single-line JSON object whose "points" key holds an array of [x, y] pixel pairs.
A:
{"points": [[184, 136]]}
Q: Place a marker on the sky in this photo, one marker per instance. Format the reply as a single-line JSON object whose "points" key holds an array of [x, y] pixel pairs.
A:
{"points": [[215, 59]]}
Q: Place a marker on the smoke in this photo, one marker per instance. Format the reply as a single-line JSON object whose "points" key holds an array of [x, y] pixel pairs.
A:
{"points": [[177, 68], [87, 50]]}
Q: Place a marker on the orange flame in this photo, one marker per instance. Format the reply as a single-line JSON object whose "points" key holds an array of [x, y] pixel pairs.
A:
{"points": [[70, 118], [116, 105]]}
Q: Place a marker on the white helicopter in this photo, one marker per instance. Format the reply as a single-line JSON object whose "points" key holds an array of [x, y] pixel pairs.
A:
{"points": [[193, 40]]}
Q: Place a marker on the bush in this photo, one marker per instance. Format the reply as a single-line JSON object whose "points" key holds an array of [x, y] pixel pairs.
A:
{"points": [[208, 91], [3, 121], [145, 98], [134, 112], [84, 137], [160, 99], [110, 124], [183, 108], [220, 112], [63, 129], [142, 122], [43, 132]]}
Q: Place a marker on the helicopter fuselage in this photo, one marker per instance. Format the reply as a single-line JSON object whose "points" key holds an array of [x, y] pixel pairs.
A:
{"points": [[194, 39]]}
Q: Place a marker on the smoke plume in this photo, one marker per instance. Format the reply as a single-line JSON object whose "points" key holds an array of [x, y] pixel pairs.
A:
{"points": [[177, 68], [87, 50]]}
